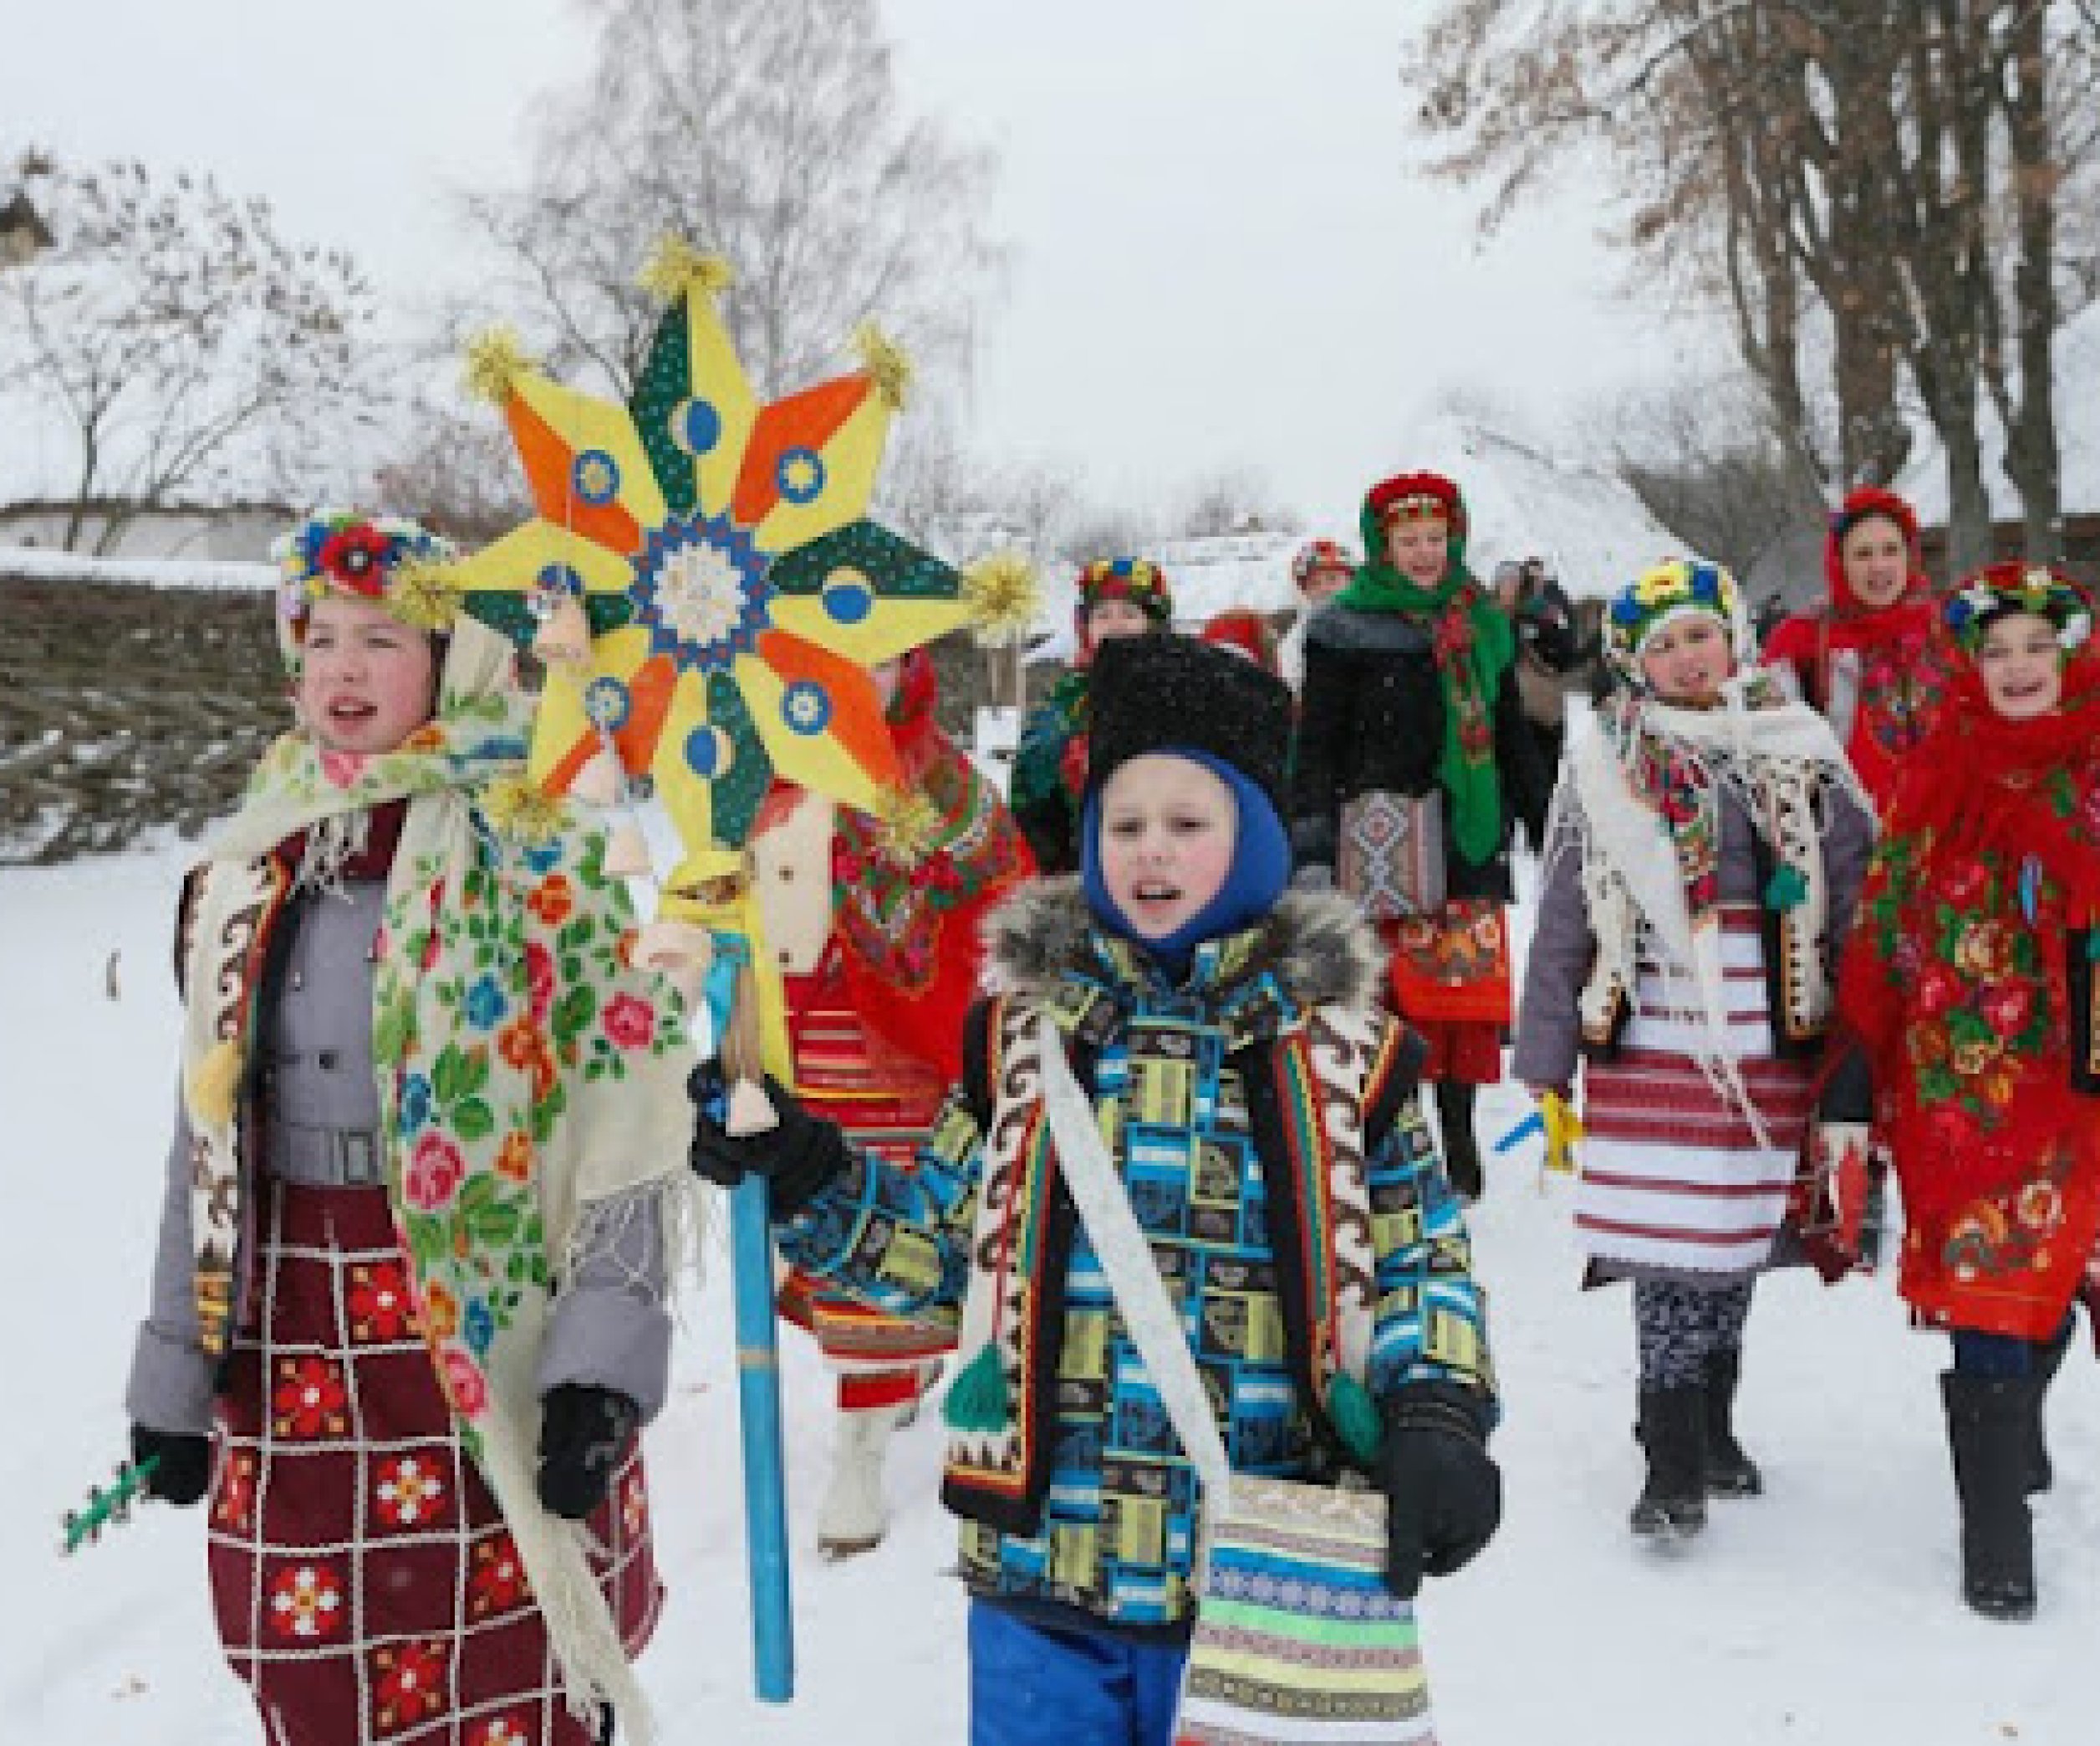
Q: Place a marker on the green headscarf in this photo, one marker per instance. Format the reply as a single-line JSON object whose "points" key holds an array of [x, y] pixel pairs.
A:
{"points": [[1475, 645]]}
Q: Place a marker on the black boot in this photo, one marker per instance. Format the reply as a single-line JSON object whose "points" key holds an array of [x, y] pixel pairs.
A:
{"points": [[2040, 1476], [1461, 1150], [1672, 1431], [1990, 1420], [1729, 1472]]}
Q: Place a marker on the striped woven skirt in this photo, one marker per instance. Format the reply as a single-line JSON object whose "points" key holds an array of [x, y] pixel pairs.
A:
{"points": [[1675, 1181], [885, 1105], [366, 1587]]}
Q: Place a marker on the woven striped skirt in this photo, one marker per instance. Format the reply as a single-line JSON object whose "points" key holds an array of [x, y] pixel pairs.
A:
{"points": [[1676, 1180], [366, 1587]]}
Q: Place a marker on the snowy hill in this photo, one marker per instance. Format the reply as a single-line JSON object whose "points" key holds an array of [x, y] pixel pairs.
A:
{"points": [[1825, 1614]]}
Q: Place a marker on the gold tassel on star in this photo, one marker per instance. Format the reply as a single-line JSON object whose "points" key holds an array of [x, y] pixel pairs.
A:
{"points": [[676, 269], [495, 360], [425, 596], [523, 810], [906, 824], [999, 591], [886, 361]]}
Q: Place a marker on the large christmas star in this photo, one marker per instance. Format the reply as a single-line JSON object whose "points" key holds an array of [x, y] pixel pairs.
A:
{"points": [[734, 591]]}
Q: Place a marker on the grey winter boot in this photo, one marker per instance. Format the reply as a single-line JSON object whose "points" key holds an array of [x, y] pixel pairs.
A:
{"points": [[1461, 1147], [1729, 1472], [1672, 1432], [1989, 1421], [2040, 1476]]}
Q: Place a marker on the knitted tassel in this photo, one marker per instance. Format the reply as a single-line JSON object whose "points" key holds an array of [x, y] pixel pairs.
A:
{"points": [[1786, 890], [495, 360], [999, 591], [1355, 1417], [978, 1399], [886, 363]]}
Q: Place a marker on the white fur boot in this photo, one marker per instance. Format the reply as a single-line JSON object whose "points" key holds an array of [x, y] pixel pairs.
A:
{"points": [[855, 1515]]}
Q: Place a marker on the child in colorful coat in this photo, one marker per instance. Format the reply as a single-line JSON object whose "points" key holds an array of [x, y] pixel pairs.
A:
{"points": [[1258, 1103], [1704, 859], [875, 1025], [408, 1309], [1118, 597], [1410, 694], [1969, 981], [1870, 658]]}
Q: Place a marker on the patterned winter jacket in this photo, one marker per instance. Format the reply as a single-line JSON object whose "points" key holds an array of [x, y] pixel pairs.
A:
{"points": [[1263, 1118]]}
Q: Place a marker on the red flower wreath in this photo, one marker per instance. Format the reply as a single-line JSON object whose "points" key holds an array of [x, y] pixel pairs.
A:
{"points": [[355, 558]]}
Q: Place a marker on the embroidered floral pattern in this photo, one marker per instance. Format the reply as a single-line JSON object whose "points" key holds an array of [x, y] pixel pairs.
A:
{"points": [[496, 1581], [408, 1684], [409, 1491], [515, 1729], [306, 1602], [379, 1303], [234, 1508], [310, 1400]]}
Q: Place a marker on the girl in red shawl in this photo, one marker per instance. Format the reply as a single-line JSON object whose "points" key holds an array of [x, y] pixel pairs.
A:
{"points": [[1869, 658], [1969, 981], [877, 1032]]}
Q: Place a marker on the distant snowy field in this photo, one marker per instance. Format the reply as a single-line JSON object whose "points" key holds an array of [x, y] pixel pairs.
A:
{"points": [[1825, 1612]]}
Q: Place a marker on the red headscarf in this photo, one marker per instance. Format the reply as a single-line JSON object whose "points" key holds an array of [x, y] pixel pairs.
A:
{"points": [[1247, 633], [1903, 662], [907, 933], [1956, 978]]}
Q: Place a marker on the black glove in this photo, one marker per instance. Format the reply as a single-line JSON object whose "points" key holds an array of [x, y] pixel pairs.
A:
{"points": [[797, 1157], [1443, 1491], [584, 1431], [184, 1474]]}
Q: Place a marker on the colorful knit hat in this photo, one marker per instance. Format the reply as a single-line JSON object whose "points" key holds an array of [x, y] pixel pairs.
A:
{"points": [[1670, 591], [1137, 580], [1174, 694], [390, 560], [1318, 555], [2002, 589]]}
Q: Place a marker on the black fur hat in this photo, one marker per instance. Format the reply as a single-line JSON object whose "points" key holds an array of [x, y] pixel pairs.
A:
{"points": [[1171, 694]]}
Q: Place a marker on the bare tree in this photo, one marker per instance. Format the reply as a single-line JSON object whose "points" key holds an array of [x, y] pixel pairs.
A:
{"points": [[184, 344], [1871, 187], [770, 131]]}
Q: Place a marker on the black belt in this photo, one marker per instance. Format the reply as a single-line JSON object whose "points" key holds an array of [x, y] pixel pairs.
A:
{"points": [[325, 1157]]}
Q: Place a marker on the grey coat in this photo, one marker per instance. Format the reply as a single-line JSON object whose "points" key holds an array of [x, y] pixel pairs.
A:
{"points": [[1548, 1025], [321, 1114]]}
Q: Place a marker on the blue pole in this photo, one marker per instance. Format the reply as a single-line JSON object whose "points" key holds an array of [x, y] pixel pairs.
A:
{"points": [[765, 1473]]}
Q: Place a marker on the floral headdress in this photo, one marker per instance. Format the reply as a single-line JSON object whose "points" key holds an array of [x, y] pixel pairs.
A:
{"points": [[1416, 497], [1319, 555], [1666, 593], [1137, 580], [2002, 589], [390, 560]]}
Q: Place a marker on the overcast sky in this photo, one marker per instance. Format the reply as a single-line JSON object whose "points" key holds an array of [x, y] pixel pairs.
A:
{"points": [[1223, 252]]}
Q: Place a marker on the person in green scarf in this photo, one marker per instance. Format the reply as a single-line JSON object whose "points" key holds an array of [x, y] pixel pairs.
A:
{"points": [[1413, 762]]}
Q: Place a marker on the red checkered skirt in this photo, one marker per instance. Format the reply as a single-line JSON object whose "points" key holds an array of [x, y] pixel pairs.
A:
{"points": [[366, 1587]]}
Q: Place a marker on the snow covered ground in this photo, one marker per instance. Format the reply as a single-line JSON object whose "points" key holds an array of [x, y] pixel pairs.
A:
{"points": [[1825, 1612]]}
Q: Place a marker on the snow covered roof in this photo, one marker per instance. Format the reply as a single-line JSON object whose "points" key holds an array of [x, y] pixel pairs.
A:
{"points": [[1587, 523], [36, 564], [1925, 480]]}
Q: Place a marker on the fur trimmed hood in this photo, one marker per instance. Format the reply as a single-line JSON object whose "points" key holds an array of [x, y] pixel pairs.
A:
{"points": [[1320, 950]]}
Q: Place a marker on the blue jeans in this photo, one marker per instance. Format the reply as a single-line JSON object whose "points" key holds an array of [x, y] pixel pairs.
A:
{"points": [[1036, 1685]]}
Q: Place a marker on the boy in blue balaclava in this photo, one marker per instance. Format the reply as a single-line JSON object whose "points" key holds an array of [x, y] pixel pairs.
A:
{"points": [[1206, 1010]]}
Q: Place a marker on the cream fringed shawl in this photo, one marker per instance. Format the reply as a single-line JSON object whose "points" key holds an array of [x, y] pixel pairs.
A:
{"points": [[1780, 760], [531, 1079]]}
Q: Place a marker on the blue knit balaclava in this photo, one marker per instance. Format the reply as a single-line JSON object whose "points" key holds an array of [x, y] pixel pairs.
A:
{"points": [[1260, 871]]}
